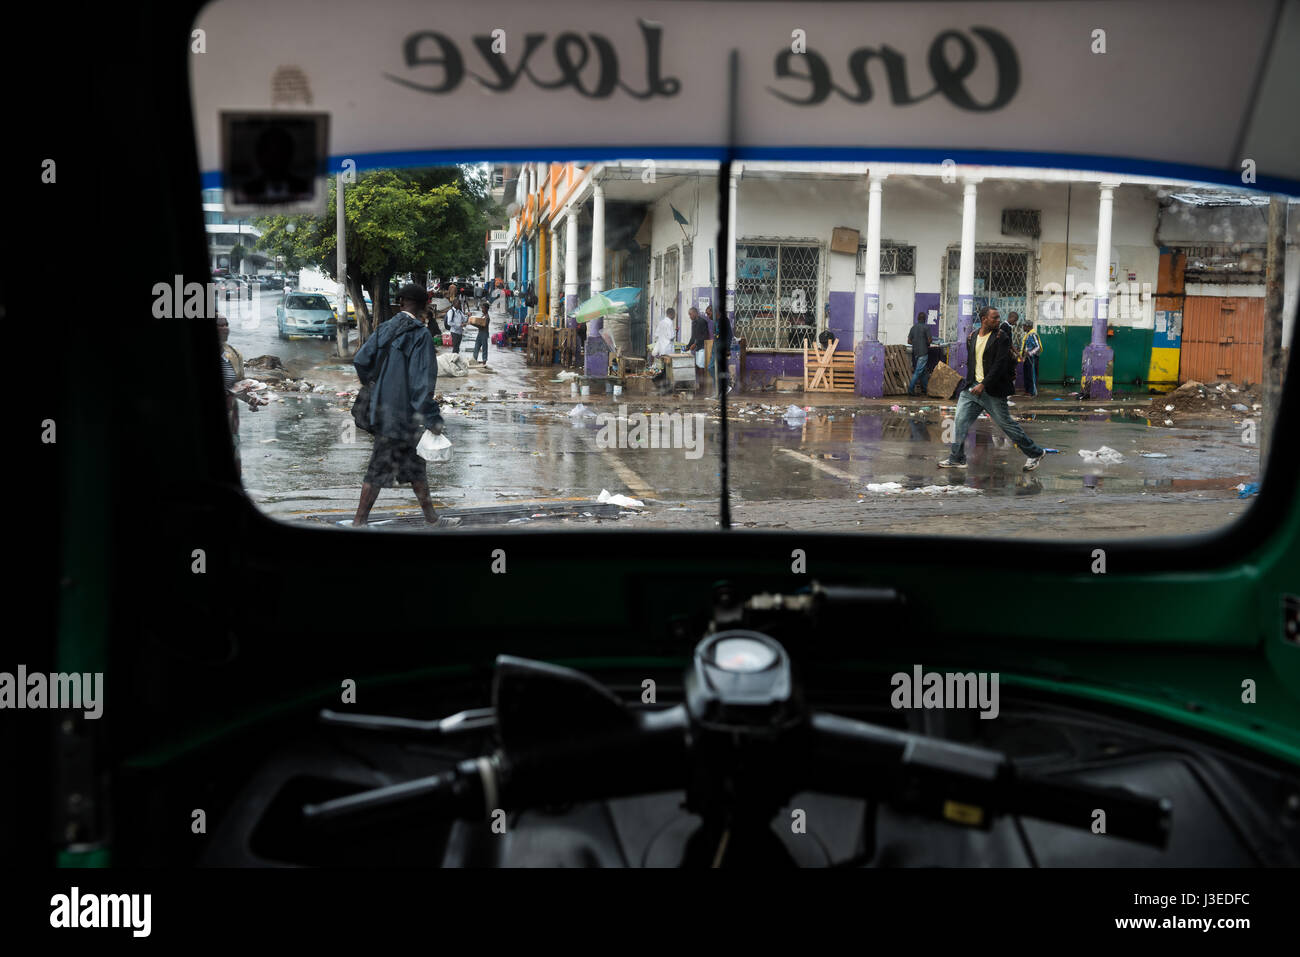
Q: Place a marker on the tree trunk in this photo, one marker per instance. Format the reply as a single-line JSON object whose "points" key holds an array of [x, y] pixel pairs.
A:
{"points": [[379, 295], [365, 324]]}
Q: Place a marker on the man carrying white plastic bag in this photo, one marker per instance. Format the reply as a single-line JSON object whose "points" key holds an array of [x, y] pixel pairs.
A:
{"points": [[397, 404], [434, 448]]}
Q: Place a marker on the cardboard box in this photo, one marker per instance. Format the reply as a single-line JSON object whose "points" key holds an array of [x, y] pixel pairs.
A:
{"points": [[845, 239], [944, 381]]}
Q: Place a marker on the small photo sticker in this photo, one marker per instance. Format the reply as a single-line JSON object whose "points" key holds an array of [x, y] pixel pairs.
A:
{"points": [[274, 162]]}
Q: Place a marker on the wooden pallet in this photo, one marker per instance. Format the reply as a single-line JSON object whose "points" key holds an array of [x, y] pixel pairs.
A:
{"points": [[825, 370], [898, 369], [570, 355], [542, 343]]}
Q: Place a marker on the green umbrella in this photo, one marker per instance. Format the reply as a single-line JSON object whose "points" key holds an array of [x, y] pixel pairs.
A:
{"points": [[597, 307]]}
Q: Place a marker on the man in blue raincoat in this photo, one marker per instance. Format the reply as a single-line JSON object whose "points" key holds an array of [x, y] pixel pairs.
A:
{"points": [[400, 364]]}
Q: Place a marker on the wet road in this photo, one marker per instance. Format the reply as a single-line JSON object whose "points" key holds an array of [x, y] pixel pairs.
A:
{"points": [[514, 442], [254, 332]]}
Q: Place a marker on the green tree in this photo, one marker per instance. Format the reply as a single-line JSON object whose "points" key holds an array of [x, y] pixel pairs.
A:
{"points": [[396, 222]]}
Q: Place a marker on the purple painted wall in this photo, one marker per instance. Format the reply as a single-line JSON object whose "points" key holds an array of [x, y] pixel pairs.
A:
{"points": [[925, 301], [840, 319], [763, 368], [869, 369], [596, 353]]}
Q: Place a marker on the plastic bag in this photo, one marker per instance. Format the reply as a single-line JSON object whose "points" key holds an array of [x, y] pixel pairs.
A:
{"points": [[434, 448]]}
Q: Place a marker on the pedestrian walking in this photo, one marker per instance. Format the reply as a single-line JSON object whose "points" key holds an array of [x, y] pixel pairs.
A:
{"points": [[990, 378], [1032, 348], [399, 365], [455, 320], [232, 371], [498, 314], [919, 337]]}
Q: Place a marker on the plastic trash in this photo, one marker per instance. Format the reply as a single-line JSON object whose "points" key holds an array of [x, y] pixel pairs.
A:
{"points": [[1154, 455], [1052, 451], [567, 374], [1248, 489], [580, 410], [896, 408], [1104, 456], [1169, 408], [884, 486], [794, 412], [1237, 406], [623, 500], [452, 364], [434, 448]]}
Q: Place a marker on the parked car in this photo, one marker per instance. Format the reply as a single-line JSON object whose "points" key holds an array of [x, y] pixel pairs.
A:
{"points": [[352, 309], [305, 314]]}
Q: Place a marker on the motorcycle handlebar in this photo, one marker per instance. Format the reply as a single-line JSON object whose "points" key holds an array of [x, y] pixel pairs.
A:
{"points": [[953, 782]]}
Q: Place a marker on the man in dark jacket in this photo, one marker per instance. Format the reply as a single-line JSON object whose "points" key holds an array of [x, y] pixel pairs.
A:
{"points": [[990, 378], [919, 338], [398, 361], [699, 336]]}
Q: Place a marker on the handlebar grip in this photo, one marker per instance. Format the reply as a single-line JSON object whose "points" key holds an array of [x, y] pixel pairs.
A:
{"points": [[449, 794], [968, 785], [1137, 817]]}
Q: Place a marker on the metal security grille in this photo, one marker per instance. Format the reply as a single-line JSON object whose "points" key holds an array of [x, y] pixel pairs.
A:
{"points": [[659, 266], [635, 272], [672, 285], [894, 260], [777, 294], [1001, 281], [1021, 222]]}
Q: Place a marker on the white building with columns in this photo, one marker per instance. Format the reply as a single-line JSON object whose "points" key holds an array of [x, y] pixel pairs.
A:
{"points": [[935, 240]]}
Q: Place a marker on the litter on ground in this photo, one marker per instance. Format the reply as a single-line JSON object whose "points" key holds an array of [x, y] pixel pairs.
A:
{"points": [[623, 500], [1104, 456]]}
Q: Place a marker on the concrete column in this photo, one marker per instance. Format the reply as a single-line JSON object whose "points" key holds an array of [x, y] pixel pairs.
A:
{"points": [[1097, 356], [871, 274], [730, 279], [571, 266], [523, 276], [868, 351], [965, 280], [553, 247], [596, 357], [597, 239]]}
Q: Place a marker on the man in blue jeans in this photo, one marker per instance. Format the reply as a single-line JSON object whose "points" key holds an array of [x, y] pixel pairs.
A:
{"points": [[919, 338], [990, 378]]}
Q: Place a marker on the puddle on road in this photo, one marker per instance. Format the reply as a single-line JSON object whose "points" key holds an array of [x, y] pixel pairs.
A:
{"points": [[298, 451]]}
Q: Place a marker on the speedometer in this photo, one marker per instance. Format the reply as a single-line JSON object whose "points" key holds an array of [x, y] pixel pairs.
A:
{"points": [[743, 655]]}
